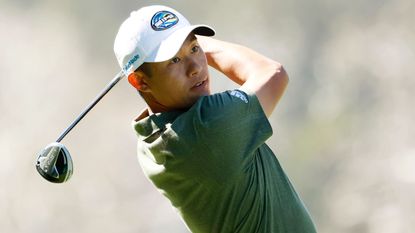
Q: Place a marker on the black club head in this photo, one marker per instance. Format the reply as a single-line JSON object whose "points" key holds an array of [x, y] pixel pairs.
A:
{"points": [[54, 163]]}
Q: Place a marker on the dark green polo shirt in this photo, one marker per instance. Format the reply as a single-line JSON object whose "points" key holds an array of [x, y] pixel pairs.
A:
{"points": [[212, 163]]}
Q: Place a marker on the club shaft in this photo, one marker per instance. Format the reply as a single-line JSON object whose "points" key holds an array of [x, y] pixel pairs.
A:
{"points": [[109, 86]]}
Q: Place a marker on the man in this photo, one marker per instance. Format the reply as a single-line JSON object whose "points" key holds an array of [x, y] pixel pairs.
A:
{"points": [[206, 152]]}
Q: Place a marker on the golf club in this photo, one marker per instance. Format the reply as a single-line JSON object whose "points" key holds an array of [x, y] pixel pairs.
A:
{"points": [[54, 163]]}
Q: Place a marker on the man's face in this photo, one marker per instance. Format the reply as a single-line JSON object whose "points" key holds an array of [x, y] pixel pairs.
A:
{"points": [[177, 83]]}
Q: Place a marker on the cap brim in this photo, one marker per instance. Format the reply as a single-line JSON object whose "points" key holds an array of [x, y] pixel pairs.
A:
{"points": [[170, 46]]}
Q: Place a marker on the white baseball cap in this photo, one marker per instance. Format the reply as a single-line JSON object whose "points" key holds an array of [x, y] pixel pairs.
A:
{"points": [[153, 34]]}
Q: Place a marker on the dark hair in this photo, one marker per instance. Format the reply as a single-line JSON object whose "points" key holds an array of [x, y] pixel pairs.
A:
{"points": [[145, 68]]}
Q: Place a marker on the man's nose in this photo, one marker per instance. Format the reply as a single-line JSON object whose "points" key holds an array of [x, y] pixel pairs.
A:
{"points": [[194, 67]]}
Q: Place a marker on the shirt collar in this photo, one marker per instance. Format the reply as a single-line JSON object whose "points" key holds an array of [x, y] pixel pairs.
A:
{"points": [[147, 124]]}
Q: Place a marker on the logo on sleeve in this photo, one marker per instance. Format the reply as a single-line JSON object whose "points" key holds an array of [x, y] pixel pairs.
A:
{"points": [[163, 20], [239, 95]]}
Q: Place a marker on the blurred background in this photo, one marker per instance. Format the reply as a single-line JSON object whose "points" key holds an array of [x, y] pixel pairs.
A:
{"points": [[343, 132]]}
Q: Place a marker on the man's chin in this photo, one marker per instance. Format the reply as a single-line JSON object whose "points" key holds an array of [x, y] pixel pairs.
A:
{"points": [[195, 98]]}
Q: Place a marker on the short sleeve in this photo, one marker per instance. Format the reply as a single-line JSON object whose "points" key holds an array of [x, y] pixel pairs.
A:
{"points": [[231, 125]]}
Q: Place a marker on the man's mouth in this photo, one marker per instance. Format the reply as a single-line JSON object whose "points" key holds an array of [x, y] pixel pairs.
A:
{"points": [[199, 84]]}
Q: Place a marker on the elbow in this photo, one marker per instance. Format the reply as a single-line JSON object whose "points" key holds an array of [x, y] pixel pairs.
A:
{"points": [[280, 74]]}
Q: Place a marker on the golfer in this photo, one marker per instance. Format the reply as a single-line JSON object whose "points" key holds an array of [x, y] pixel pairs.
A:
{"points": [[206, 152]]}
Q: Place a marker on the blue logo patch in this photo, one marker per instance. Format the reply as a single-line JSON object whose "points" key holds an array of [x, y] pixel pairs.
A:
{"points": [[163, 20]]}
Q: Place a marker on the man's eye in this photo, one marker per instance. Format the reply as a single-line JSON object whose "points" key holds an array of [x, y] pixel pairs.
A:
{"points": [[175, 60], [195, 49]]}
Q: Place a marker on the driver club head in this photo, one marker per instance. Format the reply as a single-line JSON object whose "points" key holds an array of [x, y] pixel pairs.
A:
{"points": [[54, 163]]}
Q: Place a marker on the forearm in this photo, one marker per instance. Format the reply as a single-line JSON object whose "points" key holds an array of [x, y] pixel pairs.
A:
{"points": [[256, 73], [237, 62]]}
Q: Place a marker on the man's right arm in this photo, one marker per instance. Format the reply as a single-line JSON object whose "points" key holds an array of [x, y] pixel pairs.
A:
{"points": [[253, 71]]}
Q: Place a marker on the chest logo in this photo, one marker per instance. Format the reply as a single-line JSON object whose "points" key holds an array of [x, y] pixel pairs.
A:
{"points": [[163, 20]]}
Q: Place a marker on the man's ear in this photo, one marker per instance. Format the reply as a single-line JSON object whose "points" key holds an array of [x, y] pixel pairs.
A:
{"points": [[137, 80]]}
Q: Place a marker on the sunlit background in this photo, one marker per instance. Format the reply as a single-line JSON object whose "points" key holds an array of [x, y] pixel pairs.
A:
{"points": [[343, 132]]}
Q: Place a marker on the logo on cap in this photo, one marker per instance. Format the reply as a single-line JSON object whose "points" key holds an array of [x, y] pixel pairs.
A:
{"points": [[163, 20], [131, 62]]}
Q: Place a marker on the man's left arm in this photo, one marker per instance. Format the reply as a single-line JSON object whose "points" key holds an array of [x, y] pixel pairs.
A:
{"points": [[256, 73]]}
